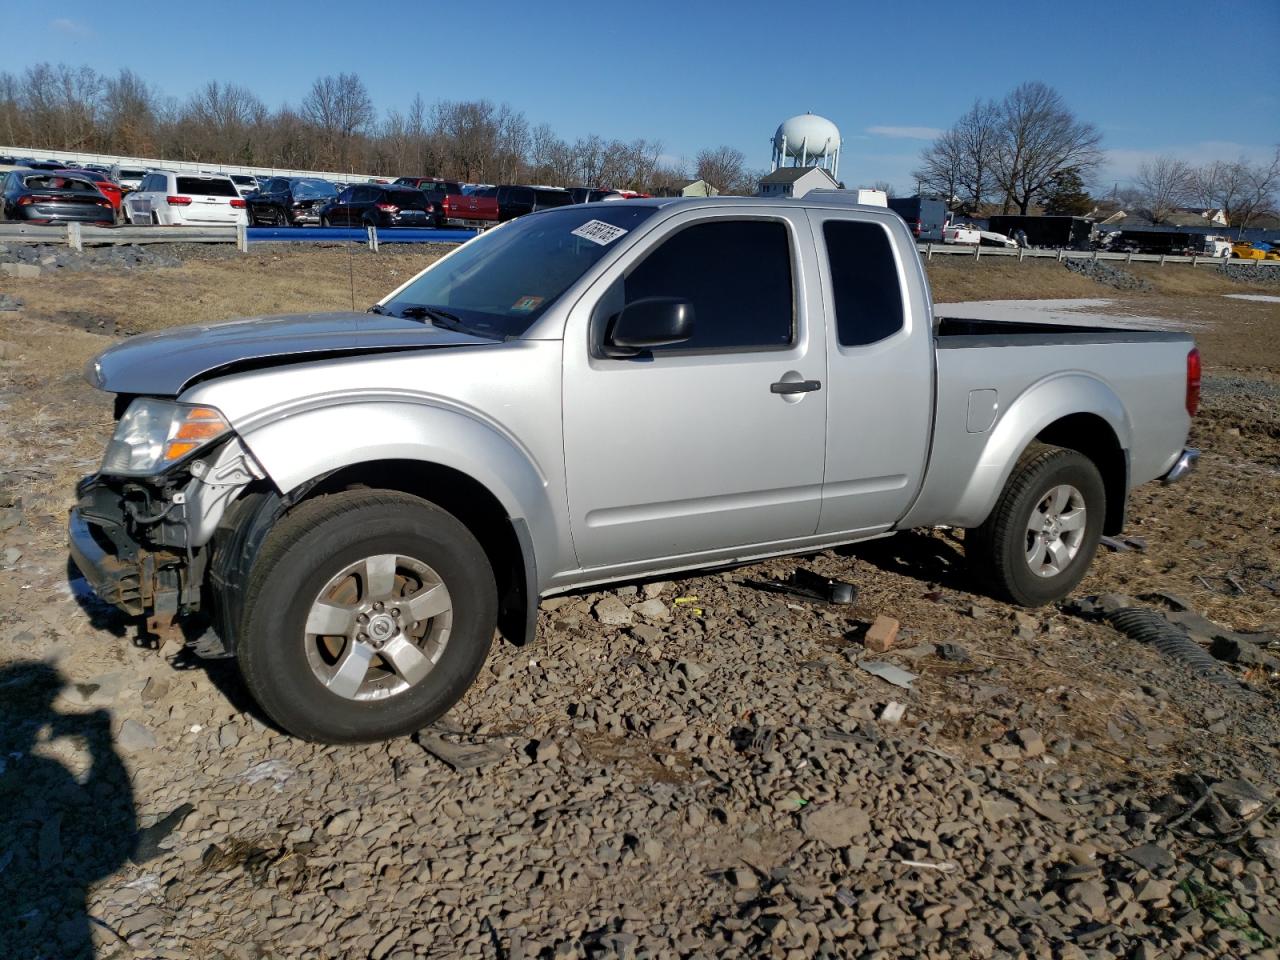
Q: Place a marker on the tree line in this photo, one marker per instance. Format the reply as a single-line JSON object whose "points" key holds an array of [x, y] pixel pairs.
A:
{"points": [[1242, 190], [335, 126], [1030, 149]]}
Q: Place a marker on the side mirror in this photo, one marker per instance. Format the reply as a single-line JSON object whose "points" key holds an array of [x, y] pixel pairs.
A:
{"points": [[651, 322]]}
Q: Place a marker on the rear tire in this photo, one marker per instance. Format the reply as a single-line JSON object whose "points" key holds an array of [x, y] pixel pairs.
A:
{"points": [[1040, 537], [390, 674]]}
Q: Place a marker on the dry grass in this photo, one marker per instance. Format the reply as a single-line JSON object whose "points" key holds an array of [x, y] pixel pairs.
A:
{"points": [[207, 291], [955, 279]]}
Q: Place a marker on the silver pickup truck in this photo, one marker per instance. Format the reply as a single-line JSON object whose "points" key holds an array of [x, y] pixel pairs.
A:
{"points": [[604, 392]]}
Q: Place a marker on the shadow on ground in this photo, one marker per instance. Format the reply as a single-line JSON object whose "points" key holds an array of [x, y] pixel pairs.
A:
{"points": [[64, 823], [920, 556]]}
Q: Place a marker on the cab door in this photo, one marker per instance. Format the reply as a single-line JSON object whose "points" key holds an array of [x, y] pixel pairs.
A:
{"points": [[880, 362], [714, 445]]}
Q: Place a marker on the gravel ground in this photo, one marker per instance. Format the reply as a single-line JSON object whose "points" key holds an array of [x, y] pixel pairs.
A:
{"points": [[1106, 274], [673, 769]]}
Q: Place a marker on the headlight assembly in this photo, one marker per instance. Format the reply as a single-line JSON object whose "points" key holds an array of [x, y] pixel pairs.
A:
{"points": [[155, 434]]}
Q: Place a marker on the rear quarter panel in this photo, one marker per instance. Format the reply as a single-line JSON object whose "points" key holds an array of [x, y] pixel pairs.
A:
{"points": [[1138, 387]]}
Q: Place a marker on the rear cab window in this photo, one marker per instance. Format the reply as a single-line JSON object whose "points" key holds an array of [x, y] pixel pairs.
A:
{"points": [[55, 182], [738, 274], [207, 186], [865, 287], [407, 199]]}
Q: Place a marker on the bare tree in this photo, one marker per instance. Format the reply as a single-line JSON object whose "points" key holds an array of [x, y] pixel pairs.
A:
{"points": [[342, 111], [1242, 190], [1039, 136], [1164, 184], [129, 118], [722, 167], [978, 133], [941, 166], [223, 118]]}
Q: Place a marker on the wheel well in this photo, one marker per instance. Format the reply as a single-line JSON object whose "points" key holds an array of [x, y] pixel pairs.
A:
{"points": [[468, 500], [1090, 435]]}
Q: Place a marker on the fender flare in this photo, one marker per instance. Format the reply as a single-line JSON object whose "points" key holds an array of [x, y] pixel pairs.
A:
{"points": [[296, 447], [1036, 408]]}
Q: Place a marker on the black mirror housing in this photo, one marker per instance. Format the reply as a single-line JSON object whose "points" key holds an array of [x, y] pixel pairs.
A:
{"points": [[651, 322]]}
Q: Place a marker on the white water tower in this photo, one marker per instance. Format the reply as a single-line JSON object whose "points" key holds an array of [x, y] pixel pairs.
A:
{"points": [[808, 141]]}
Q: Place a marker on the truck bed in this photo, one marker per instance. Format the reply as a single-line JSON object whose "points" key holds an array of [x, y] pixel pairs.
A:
{"points": [[990, 404], [958, 333]]}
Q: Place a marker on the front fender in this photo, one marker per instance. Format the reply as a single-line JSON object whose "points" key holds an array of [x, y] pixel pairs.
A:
{"points": [[965, 501], [294, 448]]}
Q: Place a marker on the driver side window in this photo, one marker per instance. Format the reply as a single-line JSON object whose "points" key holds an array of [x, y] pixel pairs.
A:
{"points": [[738, 276]]}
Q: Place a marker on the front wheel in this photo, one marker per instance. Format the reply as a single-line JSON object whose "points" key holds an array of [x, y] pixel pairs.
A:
{"points": [[367, 616], [1042, 534]]}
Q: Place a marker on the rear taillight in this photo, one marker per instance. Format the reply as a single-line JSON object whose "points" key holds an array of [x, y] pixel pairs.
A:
{"points": [[178, 201], [387, 207], [1193, 382], [238, 204]]}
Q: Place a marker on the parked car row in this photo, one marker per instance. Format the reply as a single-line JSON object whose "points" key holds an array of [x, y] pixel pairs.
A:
{"points": [[167, 198]]}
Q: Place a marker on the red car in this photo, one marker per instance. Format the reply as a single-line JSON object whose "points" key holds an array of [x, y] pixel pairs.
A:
{"points": [[106, 186]]}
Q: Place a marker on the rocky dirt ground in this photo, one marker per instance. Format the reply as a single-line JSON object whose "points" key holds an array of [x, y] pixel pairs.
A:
{"points": [[693, 768]]}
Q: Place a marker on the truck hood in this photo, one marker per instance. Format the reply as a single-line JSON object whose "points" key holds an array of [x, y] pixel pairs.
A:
{"points": [[162, 364]]}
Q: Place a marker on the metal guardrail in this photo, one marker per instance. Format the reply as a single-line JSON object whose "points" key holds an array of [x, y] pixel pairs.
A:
{"points": [[928, 250], [80, 235]]}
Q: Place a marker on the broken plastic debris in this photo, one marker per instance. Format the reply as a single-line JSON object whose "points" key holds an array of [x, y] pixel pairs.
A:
{"points": [[888, 672], [446, 746], [893, 711], [277, 771], [943, 866]]}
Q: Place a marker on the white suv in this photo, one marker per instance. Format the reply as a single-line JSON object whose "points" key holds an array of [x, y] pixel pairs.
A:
{"points": [[176, 199]]}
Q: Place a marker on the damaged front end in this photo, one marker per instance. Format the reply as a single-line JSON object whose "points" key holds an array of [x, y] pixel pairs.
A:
{"points": [[141, 529]]}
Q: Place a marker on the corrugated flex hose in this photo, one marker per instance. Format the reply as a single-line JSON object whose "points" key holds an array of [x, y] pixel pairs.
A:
{"points": [[1148, 626]]}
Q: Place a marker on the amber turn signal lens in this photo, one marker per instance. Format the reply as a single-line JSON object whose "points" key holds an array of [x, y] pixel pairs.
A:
{"points": [[198, 426]]}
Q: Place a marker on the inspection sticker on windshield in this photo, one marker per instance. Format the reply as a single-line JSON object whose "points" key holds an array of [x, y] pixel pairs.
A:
{"points": [[597, 231], [527, 303]]}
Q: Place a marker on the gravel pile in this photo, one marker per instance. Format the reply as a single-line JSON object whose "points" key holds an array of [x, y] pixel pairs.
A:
{"points": [[54, 257], [1243, 272], [1105, 273]]}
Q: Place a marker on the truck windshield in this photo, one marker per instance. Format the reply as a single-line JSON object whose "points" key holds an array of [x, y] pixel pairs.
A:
{"points": [[501, 282]]}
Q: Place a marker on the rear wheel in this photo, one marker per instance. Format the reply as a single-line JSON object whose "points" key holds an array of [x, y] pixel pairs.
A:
{"points": [[367, 616], [1042, 534]]}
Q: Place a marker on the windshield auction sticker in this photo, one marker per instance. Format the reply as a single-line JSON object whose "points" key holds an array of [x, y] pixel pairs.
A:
{"points": [[597, 231]]}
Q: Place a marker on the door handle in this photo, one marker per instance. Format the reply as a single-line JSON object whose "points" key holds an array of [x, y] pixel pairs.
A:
{"points": [[795, 386]]}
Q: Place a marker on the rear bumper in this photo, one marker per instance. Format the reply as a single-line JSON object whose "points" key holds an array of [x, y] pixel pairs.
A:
{"points": [[1185, 463]]}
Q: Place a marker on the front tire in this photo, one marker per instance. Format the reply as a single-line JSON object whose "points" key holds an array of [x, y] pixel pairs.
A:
{"points": [[1040, 537], [367, 616]]}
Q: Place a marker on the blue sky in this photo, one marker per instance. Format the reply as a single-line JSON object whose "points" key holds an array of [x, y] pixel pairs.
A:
{"points": [[1191, 77]]}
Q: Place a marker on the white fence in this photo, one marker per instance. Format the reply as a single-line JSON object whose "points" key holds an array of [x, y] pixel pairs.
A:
{"points": [[71, 158]]}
